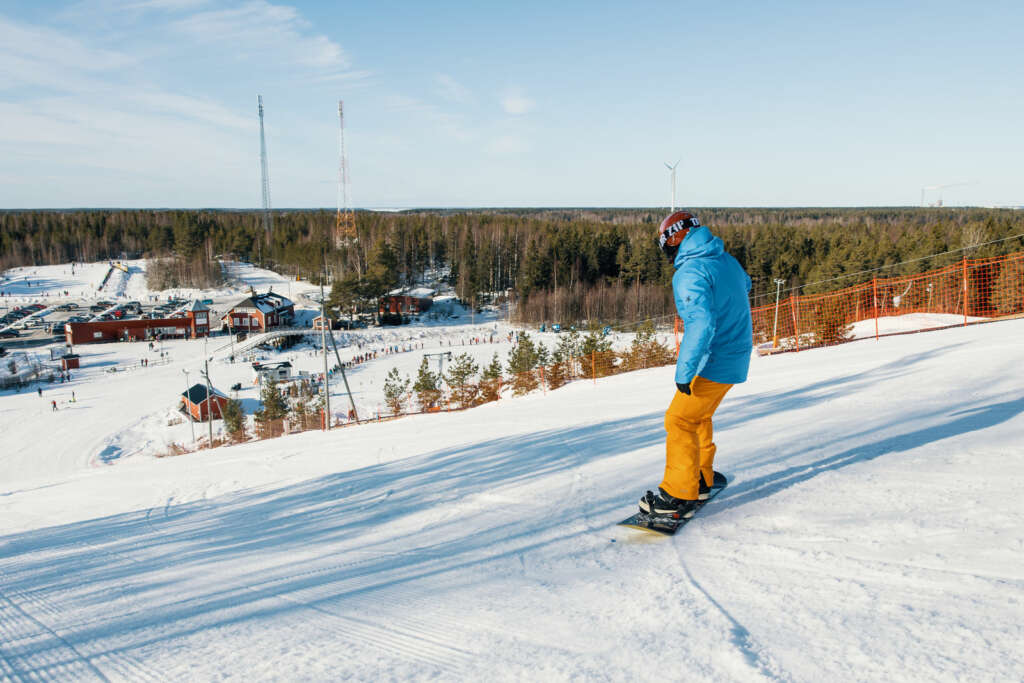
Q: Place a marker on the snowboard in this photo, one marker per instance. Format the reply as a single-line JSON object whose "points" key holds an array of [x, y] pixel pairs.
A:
{"points": [[666, 525]]}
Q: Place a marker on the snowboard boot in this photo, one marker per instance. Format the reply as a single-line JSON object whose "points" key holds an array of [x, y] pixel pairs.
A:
{"points": [[664, 505], [705, 490]]}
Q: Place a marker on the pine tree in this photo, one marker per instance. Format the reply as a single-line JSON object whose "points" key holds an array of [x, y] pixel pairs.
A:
{"points": [[1008, 289], [270, 418], [396, 389], [557, 372], [458, 378], [828, 323], [597, 355], [490, 380], [569, 351], [426, 388], [521, 363], [646, 351], [274, 405], [234, 420]]}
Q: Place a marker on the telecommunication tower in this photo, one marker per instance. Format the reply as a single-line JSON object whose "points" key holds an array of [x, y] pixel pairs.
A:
{"points": [[345, 223], [268, 216]]}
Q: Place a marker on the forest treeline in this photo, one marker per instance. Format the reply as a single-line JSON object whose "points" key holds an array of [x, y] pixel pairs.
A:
{"points": [[560, 265]]}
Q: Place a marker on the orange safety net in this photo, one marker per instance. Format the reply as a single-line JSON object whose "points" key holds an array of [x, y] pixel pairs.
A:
{"points": [[972, 291]]}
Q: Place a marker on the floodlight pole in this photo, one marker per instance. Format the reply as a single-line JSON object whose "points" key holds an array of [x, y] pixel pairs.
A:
{"points": [[188, 399], [323, 340], [775, 328], [209, 399]]}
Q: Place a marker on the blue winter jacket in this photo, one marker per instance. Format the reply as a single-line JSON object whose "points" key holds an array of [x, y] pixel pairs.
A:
{"points": [[711, 290]]}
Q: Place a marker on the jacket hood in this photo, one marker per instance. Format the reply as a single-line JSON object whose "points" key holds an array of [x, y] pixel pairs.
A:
{"points": [[699, 243]]}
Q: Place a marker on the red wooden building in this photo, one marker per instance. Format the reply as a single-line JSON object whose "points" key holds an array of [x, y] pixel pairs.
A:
{"points": [[192, 322], [410, 303], [199, 407], [259, 313]]}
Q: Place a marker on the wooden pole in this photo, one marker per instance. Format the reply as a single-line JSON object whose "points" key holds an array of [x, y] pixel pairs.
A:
{"points": [[965, 291], [794, 308], [874, 290]]}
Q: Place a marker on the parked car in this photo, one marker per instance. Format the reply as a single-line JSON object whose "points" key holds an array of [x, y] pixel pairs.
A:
{"points": [[71, 306], [8, 334]]}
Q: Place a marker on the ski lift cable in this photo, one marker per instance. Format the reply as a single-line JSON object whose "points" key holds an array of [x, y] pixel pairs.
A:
{"points": [[901, 263], [623, 326]]}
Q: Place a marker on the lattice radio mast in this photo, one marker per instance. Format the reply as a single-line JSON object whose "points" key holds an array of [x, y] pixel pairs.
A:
{"points": [[345, 223], [268, 216]]}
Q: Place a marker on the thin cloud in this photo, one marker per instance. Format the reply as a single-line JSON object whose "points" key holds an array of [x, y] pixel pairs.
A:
{"points": [[40, 56], [515, 102], [453, 125], [258, 26], [452, 90]]}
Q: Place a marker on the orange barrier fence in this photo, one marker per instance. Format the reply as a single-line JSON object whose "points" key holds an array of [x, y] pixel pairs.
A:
{"points": [[974, 290]]}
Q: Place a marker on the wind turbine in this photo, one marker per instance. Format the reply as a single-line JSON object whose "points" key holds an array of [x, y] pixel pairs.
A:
{"points": [[672, 175], [940, 188]]}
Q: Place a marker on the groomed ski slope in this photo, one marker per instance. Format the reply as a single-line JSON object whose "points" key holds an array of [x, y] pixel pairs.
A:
{"points": [[873, 530]]}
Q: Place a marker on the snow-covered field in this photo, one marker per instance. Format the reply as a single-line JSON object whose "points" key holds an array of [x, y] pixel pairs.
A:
{"points": [[873, 529], [89, 281]]}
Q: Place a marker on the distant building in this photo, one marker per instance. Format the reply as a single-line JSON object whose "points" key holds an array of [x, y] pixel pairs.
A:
{"points": [[188, 323], [127, 330], [259, 313], [199, 313], [199, 408], [407, 302], [271, 372]]}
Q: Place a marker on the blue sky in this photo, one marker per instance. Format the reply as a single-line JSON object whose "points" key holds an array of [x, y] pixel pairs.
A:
{"points": [[152, 103]]}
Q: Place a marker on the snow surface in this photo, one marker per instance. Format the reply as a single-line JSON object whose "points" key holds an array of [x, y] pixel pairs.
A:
{"points": [[911, 322], [873, 528], [26, 284]]}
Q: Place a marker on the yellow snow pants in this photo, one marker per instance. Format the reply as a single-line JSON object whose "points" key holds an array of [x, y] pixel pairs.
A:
{"points": [[689, 450]]}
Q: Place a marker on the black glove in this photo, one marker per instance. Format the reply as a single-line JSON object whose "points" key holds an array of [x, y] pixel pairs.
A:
{"points": [[685, 388]]}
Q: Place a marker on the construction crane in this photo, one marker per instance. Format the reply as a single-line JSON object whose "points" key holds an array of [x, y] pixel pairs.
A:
{"points": [[939, 188], [268, 216], [345, 223]]}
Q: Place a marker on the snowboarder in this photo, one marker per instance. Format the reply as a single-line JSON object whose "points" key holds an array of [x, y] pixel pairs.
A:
{"points": [[711, 293], [54, 405]]}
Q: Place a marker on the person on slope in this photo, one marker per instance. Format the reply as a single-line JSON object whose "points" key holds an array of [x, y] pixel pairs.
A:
{"points": [[711, 291]]}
